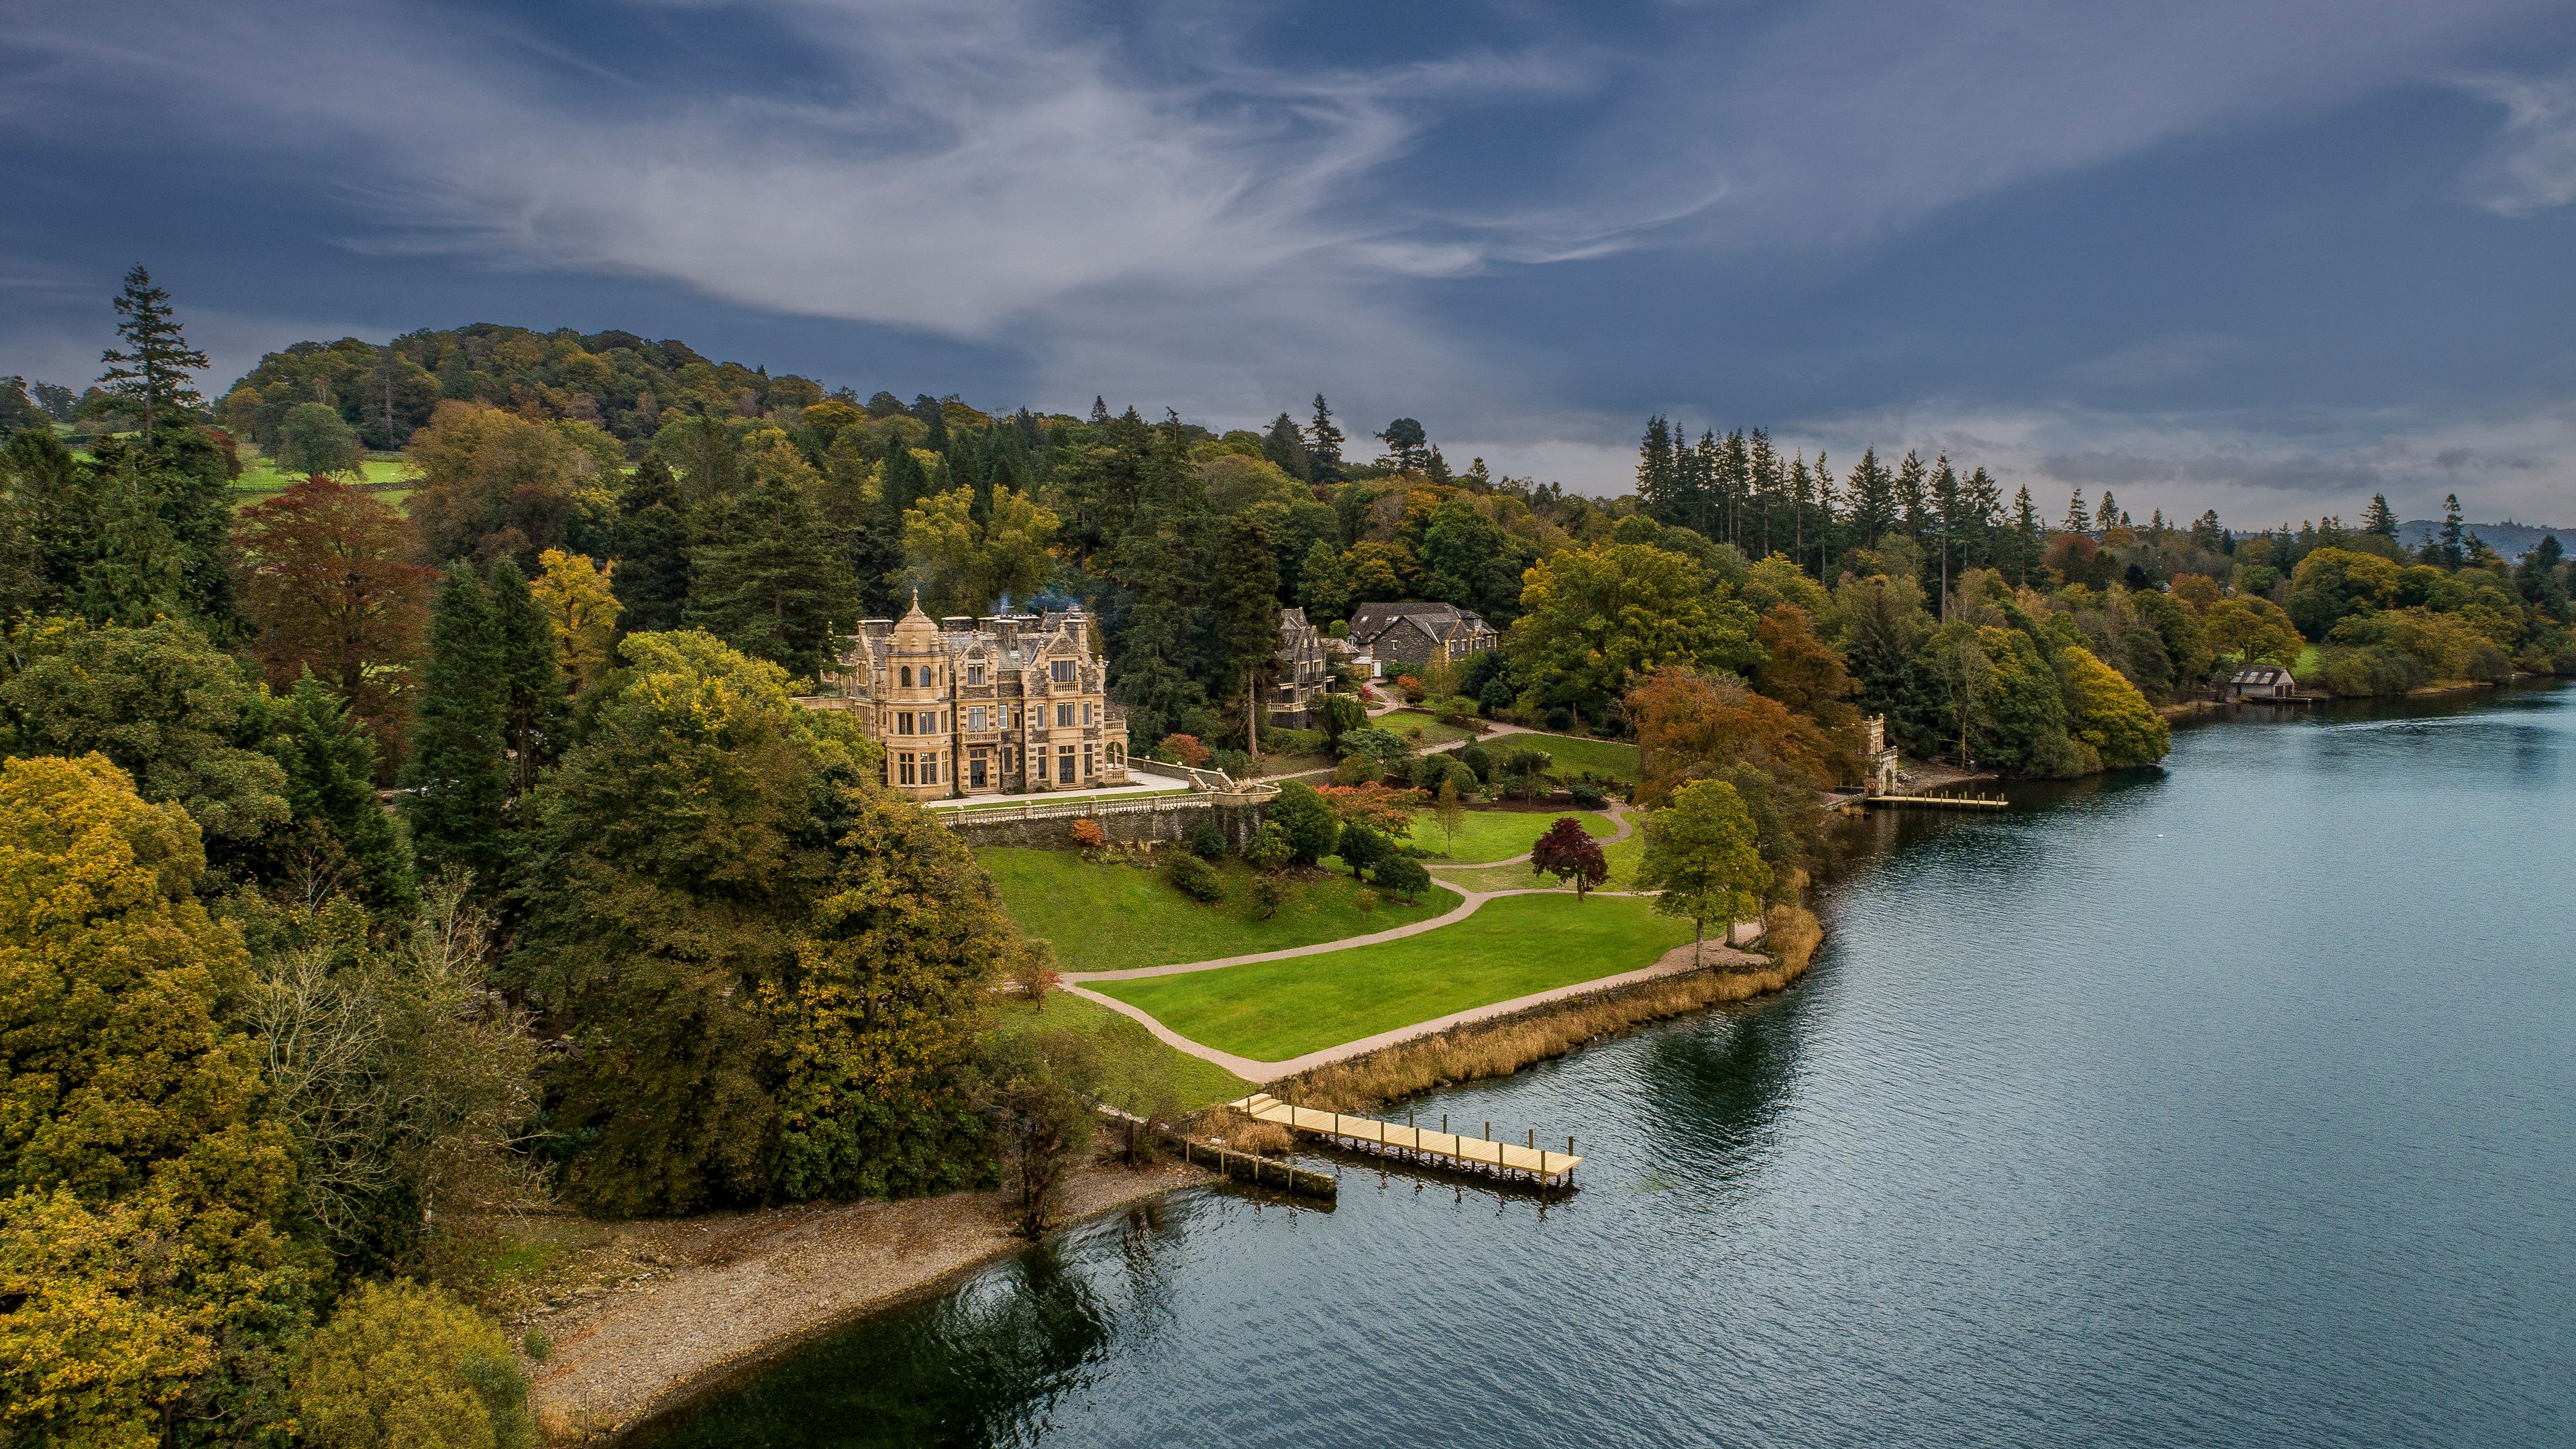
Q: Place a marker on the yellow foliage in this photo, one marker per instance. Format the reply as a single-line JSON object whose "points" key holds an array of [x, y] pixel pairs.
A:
{"points": [[583, 611], [402, 1366]]}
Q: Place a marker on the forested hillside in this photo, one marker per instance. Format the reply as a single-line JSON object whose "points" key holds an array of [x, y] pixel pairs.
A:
{"points": [[642, 936]]}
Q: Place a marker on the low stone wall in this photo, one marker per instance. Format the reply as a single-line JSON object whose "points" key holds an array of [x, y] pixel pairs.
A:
{"points": [[1161, 819]]}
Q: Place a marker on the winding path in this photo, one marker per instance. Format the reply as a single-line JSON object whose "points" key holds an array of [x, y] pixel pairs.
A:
{"points": [[1671, 963]]}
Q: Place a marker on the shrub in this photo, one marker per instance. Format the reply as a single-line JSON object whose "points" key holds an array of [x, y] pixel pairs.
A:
{"points": [[1363, 847], [1366, 900], [1234, 762], [1560, 719], [1086, 833], [1193, 877], [1457, 710], [408, 1367], [1208, 839], [1354, 769], [1588, 796], [1411, 685], [1403, 877], [1478, 760], [1184, 748], [1307, 822]]}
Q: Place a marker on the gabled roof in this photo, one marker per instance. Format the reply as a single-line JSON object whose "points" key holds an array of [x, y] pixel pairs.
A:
{"points": [[1371, 621]]}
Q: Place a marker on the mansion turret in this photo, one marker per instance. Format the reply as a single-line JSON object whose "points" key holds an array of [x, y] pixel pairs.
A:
{"points": [[1015, 702]]}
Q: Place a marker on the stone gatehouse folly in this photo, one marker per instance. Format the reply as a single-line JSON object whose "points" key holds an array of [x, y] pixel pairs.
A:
{"points": [[1011, 703]]}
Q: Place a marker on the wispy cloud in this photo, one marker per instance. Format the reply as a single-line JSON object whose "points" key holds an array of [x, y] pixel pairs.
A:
{"points": [[2531, 166]]}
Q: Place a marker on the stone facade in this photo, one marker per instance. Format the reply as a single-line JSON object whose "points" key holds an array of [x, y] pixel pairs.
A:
{"points": [[1005, 705], [1413, 632], [1305, 672]]}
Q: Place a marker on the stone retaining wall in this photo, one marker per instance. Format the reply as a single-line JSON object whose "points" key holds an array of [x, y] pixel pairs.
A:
{"points": [[1166, 818]]}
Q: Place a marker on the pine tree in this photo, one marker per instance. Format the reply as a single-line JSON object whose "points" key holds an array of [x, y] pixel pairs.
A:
{"points": [[652, 578], [2452, 546], [765, 579], [1246, 606], [155, 371], [2378, 519], [2106, 514], [2077, 520], [934, 416], [877, 557], [1324, 444], [1913, 497], [1285, 446], [1658, 481], [459, 780], [1873, 498], [330, 764], [532, 715], [2026, 531], [1946, 507]]}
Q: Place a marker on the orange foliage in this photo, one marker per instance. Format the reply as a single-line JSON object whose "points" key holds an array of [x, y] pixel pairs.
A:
{"points": [[1802, 671], [1086, 833], [1188, 749], [2196, 592], [327, 574], [1373, 805], [1691, 724]]}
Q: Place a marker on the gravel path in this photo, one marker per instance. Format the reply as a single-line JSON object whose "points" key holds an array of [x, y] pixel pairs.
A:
{"points": [[747, 1285]]}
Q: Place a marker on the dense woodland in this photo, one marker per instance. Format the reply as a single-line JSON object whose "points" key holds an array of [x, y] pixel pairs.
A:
{"points": [[643, 936]]}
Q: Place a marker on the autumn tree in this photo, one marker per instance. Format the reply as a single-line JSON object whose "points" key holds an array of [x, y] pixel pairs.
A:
{"points": [[1690, 724], [1703, 858], [328, 579], [2106, 712], [1568, 852], [403, 1365], [1802, 671], [880, 1013], [966, 565], [1599, 618], [2252, 629], [144, 1247], [493, 482], [580, 604]]}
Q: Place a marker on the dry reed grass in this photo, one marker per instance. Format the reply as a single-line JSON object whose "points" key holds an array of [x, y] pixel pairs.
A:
{"points": [[1501, 1047], [1240, 1132]]}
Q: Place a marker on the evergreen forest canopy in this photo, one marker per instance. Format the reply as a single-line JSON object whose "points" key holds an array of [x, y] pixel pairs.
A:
{"points": [[645, 935]]}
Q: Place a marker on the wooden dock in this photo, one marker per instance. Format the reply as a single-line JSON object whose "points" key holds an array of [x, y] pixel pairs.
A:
{"points": [[1939, 802], [1245, 1166], [1515, 1162]]}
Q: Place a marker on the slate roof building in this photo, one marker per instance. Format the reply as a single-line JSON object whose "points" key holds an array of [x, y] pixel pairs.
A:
{"points": [[1305, 672], [1010, 703], [2262, 681], [1413, 632]]}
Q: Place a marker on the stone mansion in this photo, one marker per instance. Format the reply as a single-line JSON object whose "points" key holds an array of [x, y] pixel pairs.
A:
{"points": [[1015, 702]]}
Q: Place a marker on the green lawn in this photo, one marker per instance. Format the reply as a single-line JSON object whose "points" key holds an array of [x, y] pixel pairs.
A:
{"points": [[1575, 754], [1620, 855], [1138, 1073], [1406, 721], [1275, 1010], [1114, 917], [260, 478], [1496, 834]]}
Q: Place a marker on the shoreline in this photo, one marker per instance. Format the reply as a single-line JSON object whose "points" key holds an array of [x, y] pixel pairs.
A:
{"points": [[749, 1287]]}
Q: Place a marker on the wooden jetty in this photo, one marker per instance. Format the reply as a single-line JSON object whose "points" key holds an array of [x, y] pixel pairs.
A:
{"points": [[1246, 1166], [1939, 802], [1541, 1166]]}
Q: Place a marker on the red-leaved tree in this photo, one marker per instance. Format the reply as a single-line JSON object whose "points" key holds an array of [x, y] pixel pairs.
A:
{"points": [[1379, 807], [1568, 853], [329, 574]]}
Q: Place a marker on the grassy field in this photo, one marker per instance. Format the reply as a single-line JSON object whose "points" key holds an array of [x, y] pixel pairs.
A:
{"points": [[1496, 834], [1575, 754], [1620, 855], [1433, 732], [1138, 1073], [261, 479], [1114, 917], [1275, 1010]]}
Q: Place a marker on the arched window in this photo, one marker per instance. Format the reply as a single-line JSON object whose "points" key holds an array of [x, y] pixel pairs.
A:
{"points": [[907, 676]]}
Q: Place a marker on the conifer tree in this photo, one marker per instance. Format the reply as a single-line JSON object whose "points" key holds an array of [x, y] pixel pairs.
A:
{"points": [[765, 580], [1873, 498], [1658, 480], [155, 371], [1286, 446], [1324, 444], [1913, 496], [1247, 618], [459, 781], [877, 558], [2077, 519], [2378, 518], [330, 764], [534, 709], [652, 578], [2026, 531], [2451, 548], [934, 416], [2106, 514]]}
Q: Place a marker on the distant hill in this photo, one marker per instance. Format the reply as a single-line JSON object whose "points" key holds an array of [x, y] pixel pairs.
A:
{"points": [[2512, 540]]}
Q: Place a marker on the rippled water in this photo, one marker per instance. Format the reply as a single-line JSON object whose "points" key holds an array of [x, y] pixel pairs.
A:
{"points": [[2225, 1105]]}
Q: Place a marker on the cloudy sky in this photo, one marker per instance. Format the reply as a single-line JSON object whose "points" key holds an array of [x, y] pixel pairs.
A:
{"points": [[2267, 258]]}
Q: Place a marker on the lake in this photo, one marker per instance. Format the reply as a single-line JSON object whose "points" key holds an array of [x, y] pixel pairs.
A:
{"points": [[2226, 1104]]}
